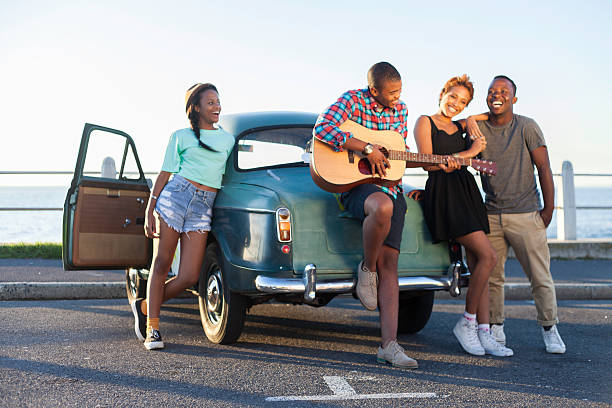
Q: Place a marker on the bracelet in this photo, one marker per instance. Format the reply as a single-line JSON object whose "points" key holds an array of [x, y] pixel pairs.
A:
{"points": [[456, 155], [153, 197]]}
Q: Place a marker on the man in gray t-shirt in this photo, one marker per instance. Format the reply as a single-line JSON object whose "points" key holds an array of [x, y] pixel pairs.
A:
{"points": [[516, 216], [513, 189]]}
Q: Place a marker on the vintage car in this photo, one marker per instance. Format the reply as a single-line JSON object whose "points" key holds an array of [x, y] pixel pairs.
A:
{"points": [[275, 234]]}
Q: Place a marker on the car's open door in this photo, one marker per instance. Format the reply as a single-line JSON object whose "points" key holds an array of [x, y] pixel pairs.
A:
{"points": [[105, 206]]}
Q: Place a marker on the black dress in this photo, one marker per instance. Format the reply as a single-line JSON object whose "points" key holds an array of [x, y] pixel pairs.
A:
{"points": [[452, 204]]}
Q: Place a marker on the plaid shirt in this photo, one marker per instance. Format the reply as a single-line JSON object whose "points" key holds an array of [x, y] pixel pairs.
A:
{"points": [[360, 107]]}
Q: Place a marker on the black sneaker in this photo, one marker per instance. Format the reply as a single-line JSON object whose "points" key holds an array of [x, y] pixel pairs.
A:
{"points": [[140, 319], [154, 340]]}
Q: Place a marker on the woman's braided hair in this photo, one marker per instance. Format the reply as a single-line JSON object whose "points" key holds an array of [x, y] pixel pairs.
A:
{"points": [[192, 98]]}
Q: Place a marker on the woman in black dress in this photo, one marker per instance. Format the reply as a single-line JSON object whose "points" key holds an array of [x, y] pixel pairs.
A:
{"points": [[453, 208]]}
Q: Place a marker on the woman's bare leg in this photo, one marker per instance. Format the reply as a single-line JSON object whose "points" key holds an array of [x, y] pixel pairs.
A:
{"points": [[484, 258], [168, 239], [192, 256]]}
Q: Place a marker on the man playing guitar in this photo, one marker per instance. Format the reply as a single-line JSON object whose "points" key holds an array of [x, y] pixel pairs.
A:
{"points": [[382, 209]]}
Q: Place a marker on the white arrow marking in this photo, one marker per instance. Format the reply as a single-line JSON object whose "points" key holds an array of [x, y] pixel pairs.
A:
{"points": [[343, 391]]}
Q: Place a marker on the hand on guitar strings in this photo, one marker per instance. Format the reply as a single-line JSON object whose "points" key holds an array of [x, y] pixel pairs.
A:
{"points": [[378, 161]]}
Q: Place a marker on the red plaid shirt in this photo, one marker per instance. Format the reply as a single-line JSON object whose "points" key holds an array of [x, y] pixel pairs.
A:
{"points": [[360, 106]]}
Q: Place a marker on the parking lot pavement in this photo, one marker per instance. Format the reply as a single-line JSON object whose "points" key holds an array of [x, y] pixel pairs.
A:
{"points": [[84, 353]]}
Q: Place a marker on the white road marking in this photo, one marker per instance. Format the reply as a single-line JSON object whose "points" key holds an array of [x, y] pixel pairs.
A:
{"points": [[343, 391], [339, 386], [354, 397]]}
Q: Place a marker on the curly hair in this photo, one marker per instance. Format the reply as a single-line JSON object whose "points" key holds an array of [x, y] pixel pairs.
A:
{"points": [[192, 98], [463, 81]]}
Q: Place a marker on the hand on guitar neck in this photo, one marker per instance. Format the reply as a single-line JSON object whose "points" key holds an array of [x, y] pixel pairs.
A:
{"points": [[448, 167]]}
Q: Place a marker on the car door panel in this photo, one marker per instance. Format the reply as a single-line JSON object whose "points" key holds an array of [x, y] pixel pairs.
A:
{"points": [[104, 216], [108, 228]]}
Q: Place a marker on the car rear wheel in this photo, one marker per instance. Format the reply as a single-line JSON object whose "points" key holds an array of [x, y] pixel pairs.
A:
{"points": [[135, 285], [414, 311], [222, 312]]}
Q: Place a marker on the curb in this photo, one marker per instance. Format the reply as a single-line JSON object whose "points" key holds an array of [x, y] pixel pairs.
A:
{"points": [[564, 291], [61, 291], [116, 290], [594, 248]]}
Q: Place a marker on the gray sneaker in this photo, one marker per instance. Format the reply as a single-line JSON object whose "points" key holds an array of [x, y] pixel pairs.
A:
{"points": [[395, 355], [497, 331], [367, 287], [553, 341], [491, 346], [466, 332]]}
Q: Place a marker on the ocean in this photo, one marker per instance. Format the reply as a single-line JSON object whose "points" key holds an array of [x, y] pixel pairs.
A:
{"points": [[46, 226]]}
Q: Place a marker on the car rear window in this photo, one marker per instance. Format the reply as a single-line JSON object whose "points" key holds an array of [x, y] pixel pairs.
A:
{"points": [[275, 147]]}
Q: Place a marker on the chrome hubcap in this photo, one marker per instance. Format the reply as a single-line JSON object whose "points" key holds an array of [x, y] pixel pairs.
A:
{"points": [[213, 293]]}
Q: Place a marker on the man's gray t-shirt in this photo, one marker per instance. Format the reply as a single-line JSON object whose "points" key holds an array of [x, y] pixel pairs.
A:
{"points": [[513, 189]]}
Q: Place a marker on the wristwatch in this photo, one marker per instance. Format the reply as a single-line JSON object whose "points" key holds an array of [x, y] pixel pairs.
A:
{"points": [[367, 149]]}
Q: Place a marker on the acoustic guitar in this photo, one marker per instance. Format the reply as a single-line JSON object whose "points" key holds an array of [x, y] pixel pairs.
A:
{"points": [[337, 172]]}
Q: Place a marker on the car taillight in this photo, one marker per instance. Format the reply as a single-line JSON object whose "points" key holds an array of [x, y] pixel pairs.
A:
{"points": [[456, 253], [283, 224]]}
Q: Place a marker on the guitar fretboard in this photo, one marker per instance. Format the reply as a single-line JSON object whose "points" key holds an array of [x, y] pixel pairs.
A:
{"points": [[425, 158]]}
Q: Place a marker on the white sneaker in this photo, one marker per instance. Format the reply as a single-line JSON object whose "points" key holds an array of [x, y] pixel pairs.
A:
{"points": [[553, 341], [395, 355], [491, 346], [497, 331], [367, 287], [465, 332]]}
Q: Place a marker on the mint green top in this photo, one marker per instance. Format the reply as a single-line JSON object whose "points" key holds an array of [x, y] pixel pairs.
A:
{"points": [[185, 157]]}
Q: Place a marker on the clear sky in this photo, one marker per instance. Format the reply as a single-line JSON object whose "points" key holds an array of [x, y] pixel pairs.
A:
{"points": [[126, 65]]}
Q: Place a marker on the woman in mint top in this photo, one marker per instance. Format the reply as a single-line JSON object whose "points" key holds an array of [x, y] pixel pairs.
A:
{"points": [[195, 158]]}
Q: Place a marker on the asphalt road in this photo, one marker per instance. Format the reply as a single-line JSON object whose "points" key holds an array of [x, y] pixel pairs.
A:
{"points": [[84, 353]]}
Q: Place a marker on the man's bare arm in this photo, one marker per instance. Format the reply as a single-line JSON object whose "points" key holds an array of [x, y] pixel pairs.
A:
{"points": [[542, 163]]}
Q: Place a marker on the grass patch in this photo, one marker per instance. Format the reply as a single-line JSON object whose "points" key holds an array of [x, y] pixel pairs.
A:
{"points": [[44, 250]]}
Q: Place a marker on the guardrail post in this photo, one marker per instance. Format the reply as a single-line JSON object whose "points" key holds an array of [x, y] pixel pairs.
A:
{"points": [[109, 170], [569, 203], [559, 209]]}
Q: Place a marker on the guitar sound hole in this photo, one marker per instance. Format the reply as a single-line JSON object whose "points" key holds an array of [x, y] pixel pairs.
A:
{"points": [[364, 167]]}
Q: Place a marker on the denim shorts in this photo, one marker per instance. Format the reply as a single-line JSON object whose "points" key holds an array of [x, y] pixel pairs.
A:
{"points": [[184, 207], [354, 201]]}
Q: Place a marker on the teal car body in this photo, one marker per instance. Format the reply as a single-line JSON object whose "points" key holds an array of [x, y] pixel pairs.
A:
{"points": [[267, 187], [324, 234]]}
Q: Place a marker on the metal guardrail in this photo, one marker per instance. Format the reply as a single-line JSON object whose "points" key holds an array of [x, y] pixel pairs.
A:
{"points": [[31, 209], [51, 173], [565, 191], [64, 172]]}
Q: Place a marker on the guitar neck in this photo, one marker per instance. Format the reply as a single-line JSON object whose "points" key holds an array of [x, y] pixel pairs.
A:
{"points": [[425, 158]]}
